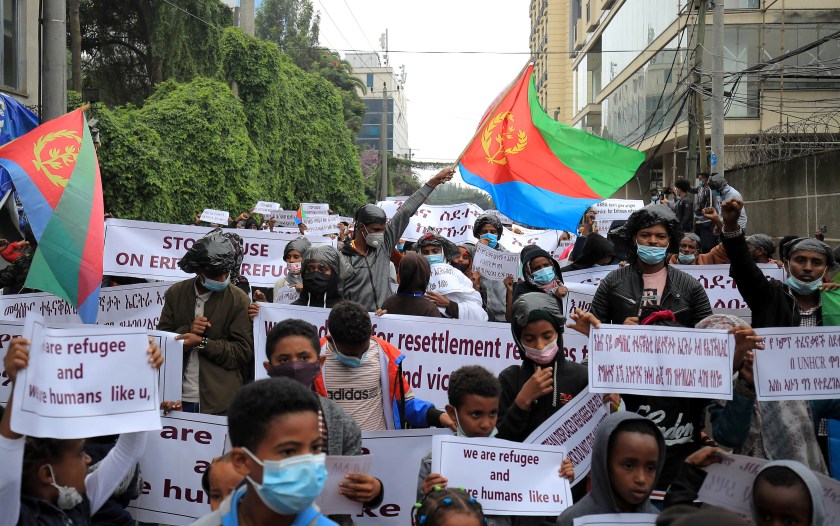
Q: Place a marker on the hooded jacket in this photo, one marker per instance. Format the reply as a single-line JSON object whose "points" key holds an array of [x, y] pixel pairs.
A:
{"points": [[600, 499], [409, 300], [328, 256], [300, 244], [595, 248], [367, 280], [528, 284], [718, 184], [812, 484]]}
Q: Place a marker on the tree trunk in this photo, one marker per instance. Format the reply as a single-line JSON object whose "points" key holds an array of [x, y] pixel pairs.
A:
{"points": [[75, 44]]}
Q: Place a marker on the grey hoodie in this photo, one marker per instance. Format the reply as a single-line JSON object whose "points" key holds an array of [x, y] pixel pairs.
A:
{"points": [[812, 483], [601, 500]]}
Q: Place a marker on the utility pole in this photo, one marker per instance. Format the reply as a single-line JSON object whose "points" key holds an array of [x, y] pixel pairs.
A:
{"points": [[54, 87], [383, 146], [246, 16], [718, 144], [696, 126]]}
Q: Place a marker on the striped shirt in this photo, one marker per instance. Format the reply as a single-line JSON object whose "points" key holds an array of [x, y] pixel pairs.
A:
{"points": [[357, 390]]}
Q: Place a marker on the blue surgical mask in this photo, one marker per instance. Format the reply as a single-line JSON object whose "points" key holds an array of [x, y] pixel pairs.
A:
{"points": [[493, 238], [803, 288], [349, 361], [544, 276], [686, 259], [701, 183], [651, 255], [434, 258], [654, 199], [460, 432], [215, 286], [290, 486], [400, 247]]}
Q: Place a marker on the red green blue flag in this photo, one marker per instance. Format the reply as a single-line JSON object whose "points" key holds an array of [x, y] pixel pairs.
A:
{"points": [[538, 171], [56, 174], [300, 216]]}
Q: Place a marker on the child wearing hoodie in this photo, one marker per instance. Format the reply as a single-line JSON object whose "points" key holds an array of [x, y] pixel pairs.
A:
{"points": [[627, 457]]}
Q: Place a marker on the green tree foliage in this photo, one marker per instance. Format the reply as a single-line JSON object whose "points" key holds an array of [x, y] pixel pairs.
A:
{"points": [[130, 45], [450, 194], [293, 25]]}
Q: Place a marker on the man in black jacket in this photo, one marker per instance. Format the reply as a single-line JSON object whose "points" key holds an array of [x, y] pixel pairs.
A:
{"points": [[648, 280]]}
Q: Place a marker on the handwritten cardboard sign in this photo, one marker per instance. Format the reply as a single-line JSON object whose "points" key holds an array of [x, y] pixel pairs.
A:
{"points": [[330, 501], [266, 207], [216, 217], [495, 264]]}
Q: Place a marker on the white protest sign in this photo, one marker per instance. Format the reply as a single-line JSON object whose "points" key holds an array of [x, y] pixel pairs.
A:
{"points": [[508, 478], [729, 485], [609, 519], [574, 427], [286, 295], [216, 217], [611, 210], [798, 363], [284, 218], [8, 330], [409, 446], [124, 305], [321, 225], [495, 264], [661, 361], [433, 347], [589, 276], [312, 210], [266, 207], [454, 222], [330, 501], [720, 288], [152, 250], [545, 239], [174, 461], [503, 218], [85, 380], [170, 377], [446, 279]]}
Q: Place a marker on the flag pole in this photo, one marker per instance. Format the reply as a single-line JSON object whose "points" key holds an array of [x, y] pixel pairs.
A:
{"points": [[492, 111], [85, 108]]}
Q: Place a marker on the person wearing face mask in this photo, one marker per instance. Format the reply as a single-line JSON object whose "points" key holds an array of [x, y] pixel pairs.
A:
{"points": [[321, 276], [277, 449], [413, 277], [648, 279], [450, 290], [474, 405], [211, 318], [363, 374], [293, 351], [293, 257], [540, 273], [488, 229], [703, 226], [367, 257], [46, 481]]}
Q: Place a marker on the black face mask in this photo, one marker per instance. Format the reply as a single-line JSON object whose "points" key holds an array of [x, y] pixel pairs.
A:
{"points": [[316, 282], [461, 266]]}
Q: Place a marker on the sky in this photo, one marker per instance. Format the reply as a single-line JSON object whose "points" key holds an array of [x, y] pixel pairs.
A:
{"points": [[447, 93]]}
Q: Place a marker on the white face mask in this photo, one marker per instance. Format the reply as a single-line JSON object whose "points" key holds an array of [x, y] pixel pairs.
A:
{"points": [[68, 498]]}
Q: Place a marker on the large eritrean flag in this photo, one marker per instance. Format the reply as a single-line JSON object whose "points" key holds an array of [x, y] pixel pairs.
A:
{"points": [[56, 174], [540, 172]]}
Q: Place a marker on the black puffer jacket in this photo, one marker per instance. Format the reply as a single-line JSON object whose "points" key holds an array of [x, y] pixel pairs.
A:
{"points": [[619, 296]]}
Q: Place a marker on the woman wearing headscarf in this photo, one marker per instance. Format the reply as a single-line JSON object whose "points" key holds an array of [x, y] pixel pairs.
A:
{"points": [[488, 230], [413, 276], [320, 276], [648, 279], [540, 273], [293, 256]]}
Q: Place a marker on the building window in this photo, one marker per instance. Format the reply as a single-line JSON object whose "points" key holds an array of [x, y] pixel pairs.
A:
{"points": [[10, 50], [369, 82], [372, 131]]}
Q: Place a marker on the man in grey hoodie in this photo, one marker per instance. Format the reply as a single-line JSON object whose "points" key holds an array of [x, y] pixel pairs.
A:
{"points": [[367, 259], [627, 457]]}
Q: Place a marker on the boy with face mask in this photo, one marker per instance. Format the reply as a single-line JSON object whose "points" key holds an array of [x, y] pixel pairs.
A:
{"points": [[277, 449]]}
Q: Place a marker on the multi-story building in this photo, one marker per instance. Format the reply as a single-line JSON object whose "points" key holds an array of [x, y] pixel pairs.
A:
{"points": [[552, 37], [19, 51], [369, 69], [630, 69]]}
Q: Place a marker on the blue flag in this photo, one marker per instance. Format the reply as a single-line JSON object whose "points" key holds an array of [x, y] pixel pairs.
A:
{"points": [[15, 119]]}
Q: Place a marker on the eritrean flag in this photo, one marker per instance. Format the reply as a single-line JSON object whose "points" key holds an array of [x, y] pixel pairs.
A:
{"points": [[56, 174], [300, 215], [540, 172]]}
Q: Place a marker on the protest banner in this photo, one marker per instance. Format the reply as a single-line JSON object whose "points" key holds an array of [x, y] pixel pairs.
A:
{"points": [[729, 485], [8, 330], [266, 207], [611, 210], [174, 460], [216, 217], [573, 427], [124, 305], [313, 210], [85, 380], [508, 478], [545, 239], [146, 250], [661, 361], [409, 446], [506, 221], [170, 375], [589, 276], [321, 225], [609, 519], [721, 289], [330, 501], [798, 363], [446, 279], [454, 222], [494, 264]]}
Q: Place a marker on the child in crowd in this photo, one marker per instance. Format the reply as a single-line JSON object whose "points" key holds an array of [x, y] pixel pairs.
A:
{"points": [[45, 481], [627, 457], [474, 406], [293, 351], [220, 480], [277, 449], [450, 506]]}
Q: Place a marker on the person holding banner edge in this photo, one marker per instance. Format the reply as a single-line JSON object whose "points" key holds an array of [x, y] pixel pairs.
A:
{"points": [[488, 230], [46, 481]]}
